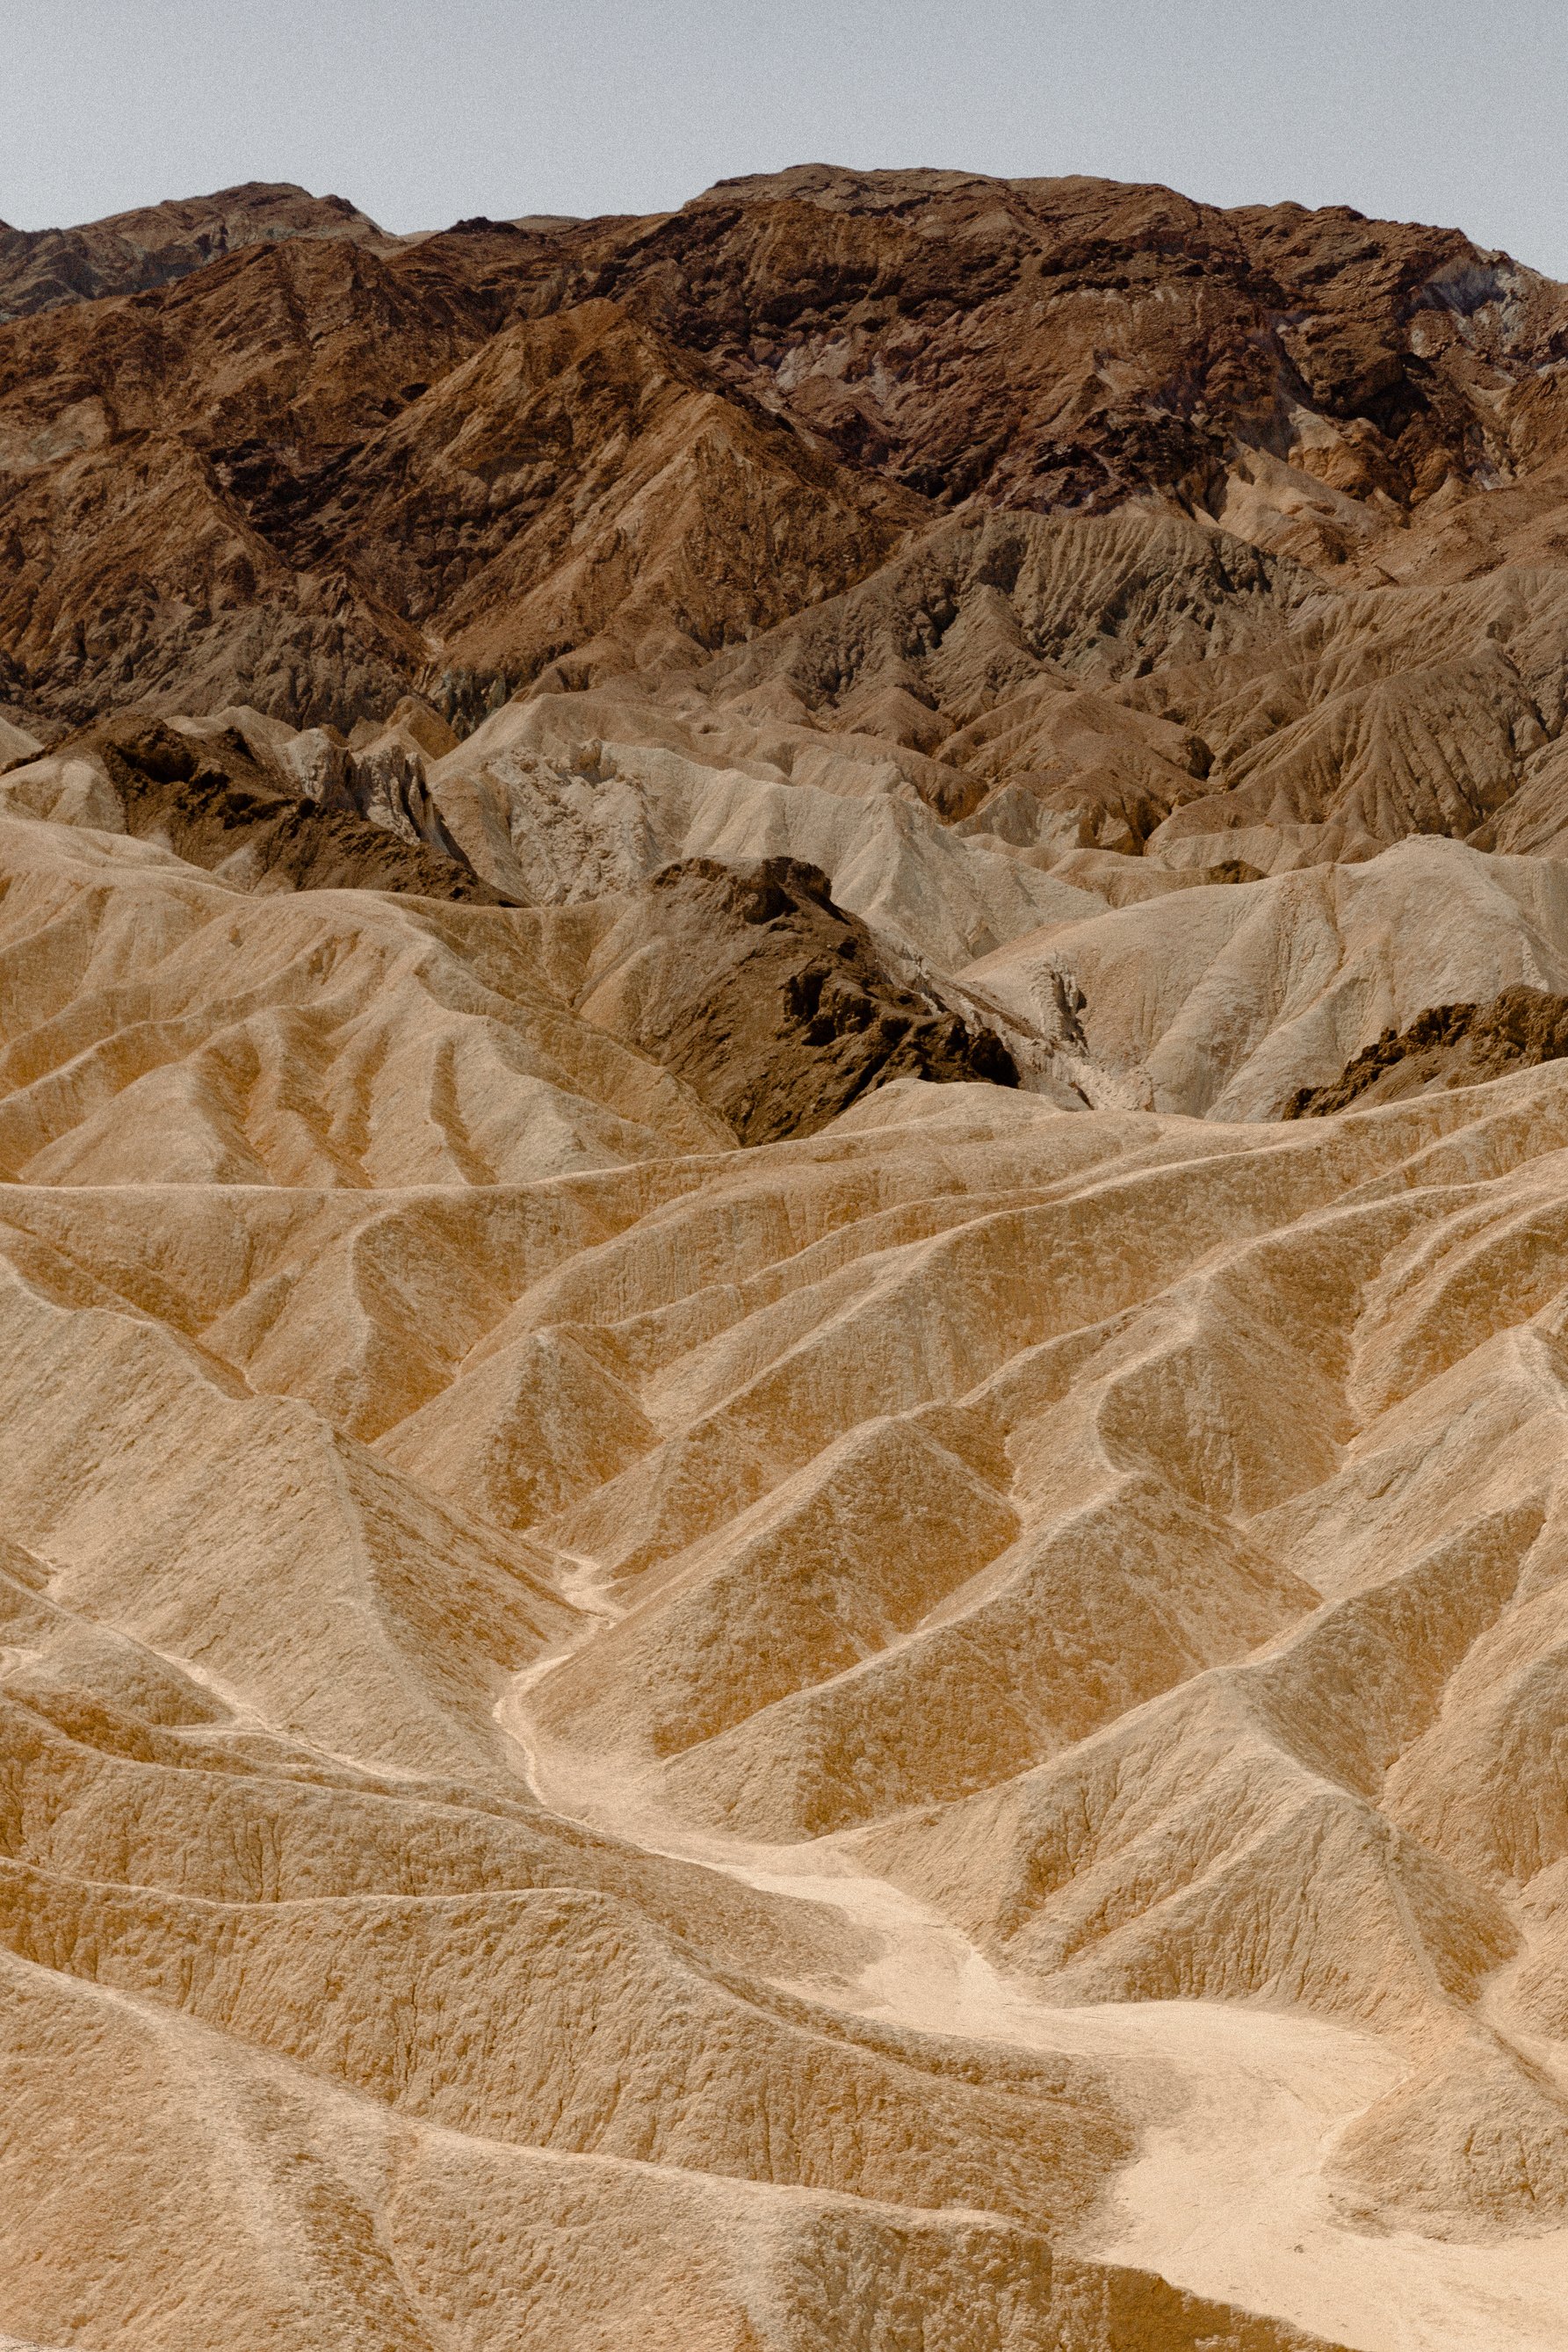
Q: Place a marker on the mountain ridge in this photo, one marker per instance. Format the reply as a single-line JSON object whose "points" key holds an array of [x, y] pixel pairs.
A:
{"points": [[154, 244]]}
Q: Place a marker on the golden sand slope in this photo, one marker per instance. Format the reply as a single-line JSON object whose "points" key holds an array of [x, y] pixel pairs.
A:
{"points": [[773, 1748]]}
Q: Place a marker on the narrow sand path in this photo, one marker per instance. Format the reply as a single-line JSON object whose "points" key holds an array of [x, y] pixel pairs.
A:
{"points": [[1239, 2106]]}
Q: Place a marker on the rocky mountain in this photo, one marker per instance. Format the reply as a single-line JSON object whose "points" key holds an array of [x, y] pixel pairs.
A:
{"points": [[324, 471], [128, 253], [782, 1109], [1303, 377]]}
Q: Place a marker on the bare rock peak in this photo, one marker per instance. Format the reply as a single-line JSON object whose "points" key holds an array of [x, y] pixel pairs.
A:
{"points": [[156, 245]]}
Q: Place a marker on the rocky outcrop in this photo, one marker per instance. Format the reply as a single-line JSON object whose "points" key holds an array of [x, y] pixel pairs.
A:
{"points": [[1304, 376], [215, 797], [1451, 1046], [774, 1005]]}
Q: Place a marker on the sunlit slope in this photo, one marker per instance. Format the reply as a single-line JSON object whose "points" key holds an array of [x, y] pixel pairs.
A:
{"points": [[536, 1644]]}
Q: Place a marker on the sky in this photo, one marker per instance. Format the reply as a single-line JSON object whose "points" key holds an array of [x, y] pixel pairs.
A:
{"points": [[426, 111]]}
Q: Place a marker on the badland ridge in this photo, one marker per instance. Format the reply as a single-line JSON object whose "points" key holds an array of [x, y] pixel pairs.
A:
{"points": [[783, 1103]]}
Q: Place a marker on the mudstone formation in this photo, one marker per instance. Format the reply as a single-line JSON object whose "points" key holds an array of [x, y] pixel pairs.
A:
{"points": [[783, 1278]]}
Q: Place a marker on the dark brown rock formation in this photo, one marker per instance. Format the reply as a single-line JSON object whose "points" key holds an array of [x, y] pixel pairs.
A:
{"points": [[309, 476], [772, 1003], [218, 803], [1073, 342], [328, 464], [1451, 1046]]}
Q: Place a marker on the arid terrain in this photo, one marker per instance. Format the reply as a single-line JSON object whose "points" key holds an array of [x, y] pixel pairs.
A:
{"points": [[783, 1279]]}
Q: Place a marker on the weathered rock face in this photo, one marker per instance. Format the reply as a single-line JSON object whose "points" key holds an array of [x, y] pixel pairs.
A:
{"points": [[321, 469], [128, 253], [133, 563], [1073, 342], [279, 483], [770, 1002], [1451, 1046]]}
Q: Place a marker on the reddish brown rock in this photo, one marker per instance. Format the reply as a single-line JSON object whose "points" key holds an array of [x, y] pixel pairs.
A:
{"points": [[278, 482], [318, 470], [41, 270]]}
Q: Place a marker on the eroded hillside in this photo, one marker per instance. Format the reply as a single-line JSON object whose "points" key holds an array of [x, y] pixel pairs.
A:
{"points": [[783, 1313]]}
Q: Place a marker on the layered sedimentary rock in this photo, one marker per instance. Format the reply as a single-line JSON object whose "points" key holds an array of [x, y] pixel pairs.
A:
{"points": [[782, 1313], [547, 1656]]}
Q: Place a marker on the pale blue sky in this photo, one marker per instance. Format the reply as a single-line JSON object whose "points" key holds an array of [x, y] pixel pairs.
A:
{"points": [[425, 110]]}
